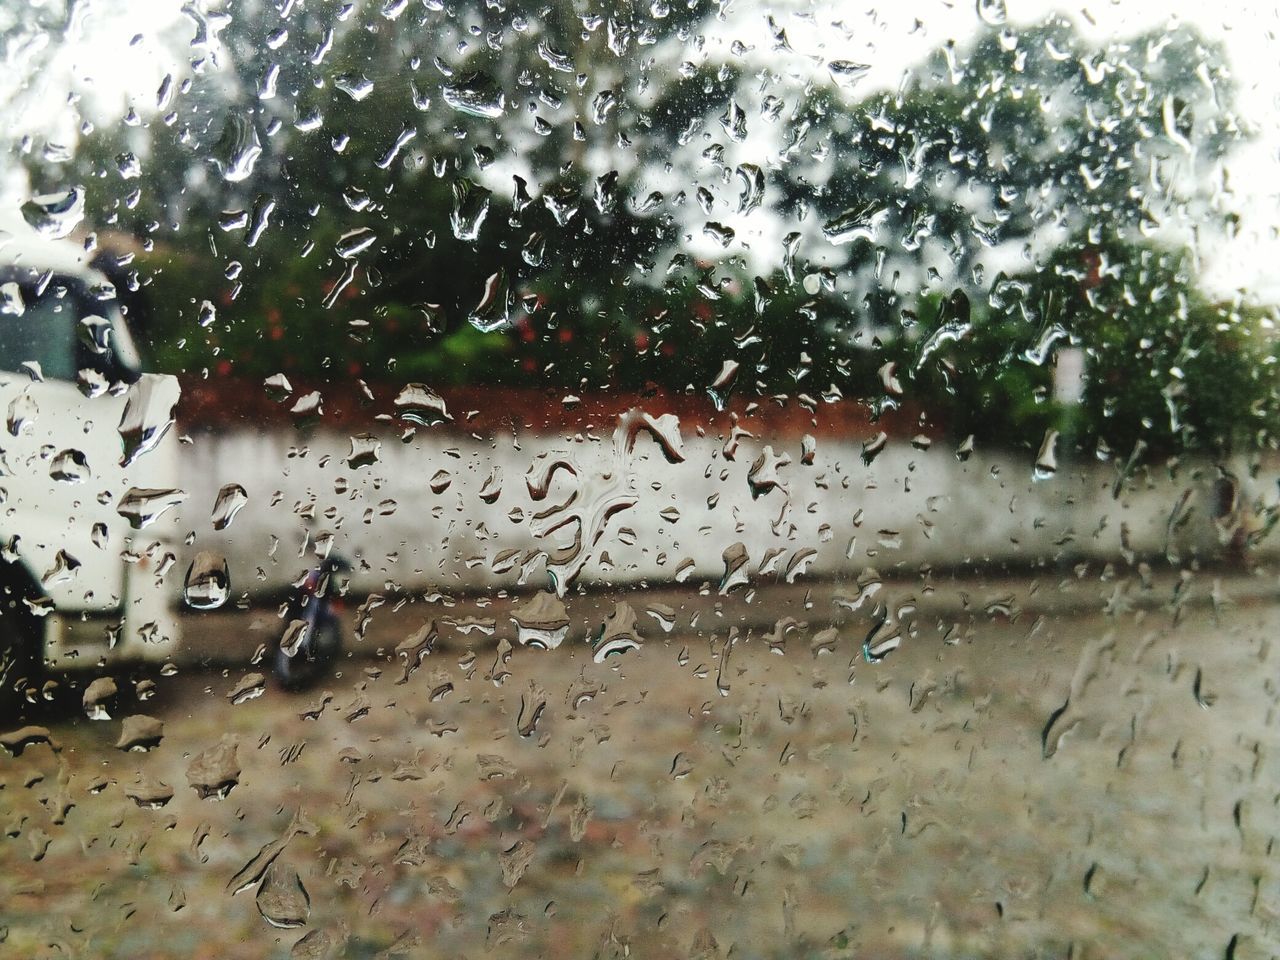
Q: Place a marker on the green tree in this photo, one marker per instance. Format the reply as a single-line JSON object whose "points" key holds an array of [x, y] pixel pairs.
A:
{"points": [[1043, 182], [481, 192]]}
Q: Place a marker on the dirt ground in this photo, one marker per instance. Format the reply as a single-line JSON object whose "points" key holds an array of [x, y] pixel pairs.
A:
{"points": [[1022, 776]]}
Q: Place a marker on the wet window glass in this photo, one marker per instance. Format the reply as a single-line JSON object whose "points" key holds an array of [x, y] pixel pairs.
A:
{"points": [[659, 478]]}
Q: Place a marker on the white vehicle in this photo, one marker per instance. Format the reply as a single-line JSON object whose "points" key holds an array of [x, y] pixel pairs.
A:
{"points": [[88, 463]]}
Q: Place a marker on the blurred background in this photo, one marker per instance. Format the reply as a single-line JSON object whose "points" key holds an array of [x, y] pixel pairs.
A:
{"points": [[933, 348], [1044, 235], [550, 197]]}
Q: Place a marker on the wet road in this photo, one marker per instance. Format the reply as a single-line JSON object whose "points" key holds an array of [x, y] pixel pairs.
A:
{"points": [[1024, 774]]}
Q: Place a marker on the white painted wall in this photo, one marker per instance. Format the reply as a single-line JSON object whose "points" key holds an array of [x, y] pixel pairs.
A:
{"points": [[910, 507]]}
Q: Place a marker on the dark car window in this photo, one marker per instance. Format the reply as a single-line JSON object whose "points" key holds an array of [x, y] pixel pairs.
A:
{"points": [[39, 328]]}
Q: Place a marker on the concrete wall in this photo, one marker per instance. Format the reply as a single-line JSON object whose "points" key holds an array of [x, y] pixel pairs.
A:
{"points": [[908, 508]]}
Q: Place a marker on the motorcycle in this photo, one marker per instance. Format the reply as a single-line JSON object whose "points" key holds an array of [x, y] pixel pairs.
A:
{"points": [[312, 637]]}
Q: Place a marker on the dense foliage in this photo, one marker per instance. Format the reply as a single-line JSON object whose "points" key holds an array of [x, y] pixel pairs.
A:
{"points": [[484, 193]]}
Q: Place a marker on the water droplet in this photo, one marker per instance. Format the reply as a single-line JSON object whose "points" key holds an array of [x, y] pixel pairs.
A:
{"points": [[11, 303], [491, 489], [734, 121], [992, 12], [606, 191], [128, 167], [723, 383], [618, 635], [258, 864], [70, 466], [881, 640], [164, 92], [250, 687], [1047, 459], [62, 571], [414, 648], [808, 449], [316, 945], [554, 58], [282, 900], [16, 741], [563, 202], [22, 414], [798, 563], [267, 86], [238, 149], [99, 698], [308, 408], [533, 703], [402, 140], [295, 634], [735, 567], [149, 794], [718, 232], [149, 412], [846, 73], [96, 333], [763, 475], [277, 387], [230, 220], [602, 104], [440, 481], [140, 733], [520, 199], [214, 772], [534, 249], [1039, 352], [664, 429], [208, 581], [475, 94], [470, 207], [681, 766], [493, 312], [855, 223], [142, 506], [230, 501], [873, 447], [514, 861], [542, 622], [260, 218], [365, 451], [418, 403], [617, 35], [355, 85], [752, 179], [55, 215], [354, 242], [650, 202], [889, 379]]}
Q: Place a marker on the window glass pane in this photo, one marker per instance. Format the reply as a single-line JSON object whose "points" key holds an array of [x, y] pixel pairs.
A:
{"points": [[674, 478]]}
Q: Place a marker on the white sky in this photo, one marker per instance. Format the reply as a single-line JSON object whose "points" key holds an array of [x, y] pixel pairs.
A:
{"points": [[884, 36]]}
